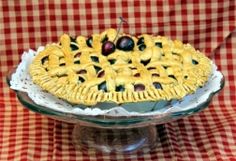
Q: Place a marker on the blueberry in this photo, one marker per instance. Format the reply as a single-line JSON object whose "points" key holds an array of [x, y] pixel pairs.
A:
{"points": [[108, 47], [44, 59], [77, 62], [102, 86], [142, 47], [158, 44], [81, 79], [157, 85], [125, 43], [97, 68], [94, 59], [194, 62], [140, 41], [73, 46], [89, 41], [112, 61], [139, 87], [145, 62], [120, 88]]}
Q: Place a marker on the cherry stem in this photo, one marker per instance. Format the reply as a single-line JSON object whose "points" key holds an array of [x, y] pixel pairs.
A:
{"points": [[122, 20]]}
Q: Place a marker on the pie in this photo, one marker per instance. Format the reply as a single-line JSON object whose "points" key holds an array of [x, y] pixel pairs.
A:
{"points": [[119, 68]]}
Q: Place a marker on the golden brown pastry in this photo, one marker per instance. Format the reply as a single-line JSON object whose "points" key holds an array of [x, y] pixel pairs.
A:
{"points": [[112, 67]]}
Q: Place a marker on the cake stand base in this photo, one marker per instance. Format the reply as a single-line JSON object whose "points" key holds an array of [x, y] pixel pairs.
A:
{"points": [[115, 140]]}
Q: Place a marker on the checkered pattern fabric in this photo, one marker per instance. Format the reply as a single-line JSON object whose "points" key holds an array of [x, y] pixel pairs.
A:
{"points": [[208, 26]]}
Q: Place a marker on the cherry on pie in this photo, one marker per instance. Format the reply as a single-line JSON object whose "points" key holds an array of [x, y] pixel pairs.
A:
{"points": [[115, 67]]}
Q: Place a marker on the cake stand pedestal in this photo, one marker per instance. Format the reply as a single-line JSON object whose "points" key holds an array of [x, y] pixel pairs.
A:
{"points": [[127, 140]]}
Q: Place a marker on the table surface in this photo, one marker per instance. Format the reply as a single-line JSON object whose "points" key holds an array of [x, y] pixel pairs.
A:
{"points": [[209, 26]]}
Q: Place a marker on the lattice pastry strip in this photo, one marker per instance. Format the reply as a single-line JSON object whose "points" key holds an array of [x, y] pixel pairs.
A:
{"points": [[153, 69]]}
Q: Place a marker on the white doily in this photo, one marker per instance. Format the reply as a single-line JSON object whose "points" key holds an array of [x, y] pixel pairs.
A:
{"points": [[21, 81]]}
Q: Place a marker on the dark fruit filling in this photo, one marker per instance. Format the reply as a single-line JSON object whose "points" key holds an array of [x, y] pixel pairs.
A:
{"points": [[102, 86], [157, 85], [108, 47], [81, 79], [112, 61], [145, 62], [104, 39], [77, 62], [62, 64], [82, 71], [158, 44], [101, 74], [77, 55], [97, 69], [165, 67], [142, 47], [172, 76], [133, 68], [194, 62], [73, 47], [72, 39], [139, 87], [140, 41], [151, 68], [44, 59], [125, 43], [155, 75], [120, 88], [94, 59], [137, 75], [89, 41]]}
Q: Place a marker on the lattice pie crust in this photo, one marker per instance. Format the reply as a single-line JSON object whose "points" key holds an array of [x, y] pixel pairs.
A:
{"points": [[157, 68]]}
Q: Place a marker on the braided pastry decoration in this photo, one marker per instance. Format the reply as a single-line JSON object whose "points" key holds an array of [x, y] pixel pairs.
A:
{"points": [[152, 68]]}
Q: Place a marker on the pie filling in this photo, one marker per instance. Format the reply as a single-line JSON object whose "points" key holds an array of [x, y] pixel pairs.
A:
{"points": [[120, 68]]}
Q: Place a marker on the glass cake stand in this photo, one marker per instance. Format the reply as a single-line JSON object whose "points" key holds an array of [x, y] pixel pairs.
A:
{"points": [[126, 134]]}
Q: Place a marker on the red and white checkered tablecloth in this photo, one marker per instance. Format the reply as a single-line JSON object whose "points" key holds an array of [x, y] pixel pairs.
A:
{"points": [[207, 25]]}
